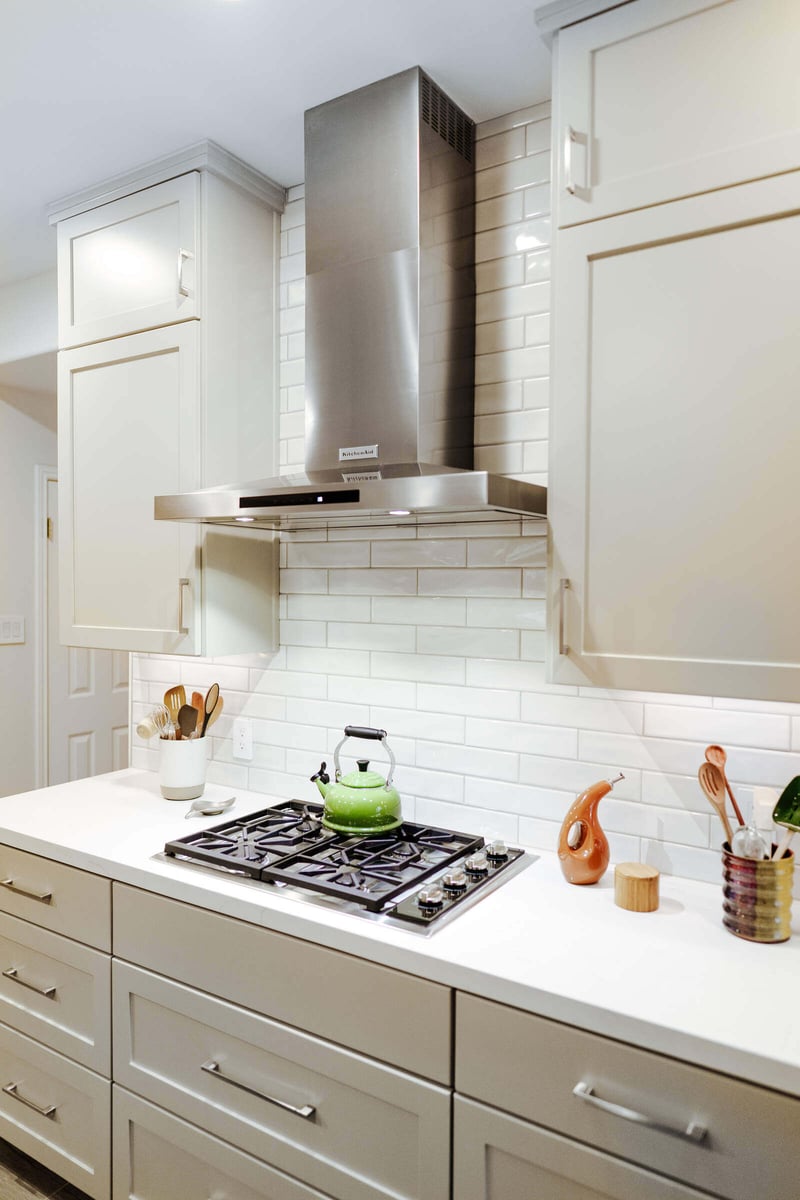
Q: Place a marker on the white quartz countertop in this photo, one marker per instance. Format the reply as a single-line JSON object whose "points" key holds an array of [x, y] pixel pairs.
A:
{"points": [[673, 981]]}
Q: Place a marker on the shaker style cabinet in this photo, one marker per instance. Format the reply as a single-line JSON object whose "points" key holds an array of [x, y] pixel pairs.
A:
{"points": [[167, 383], [674, 498], [660, 99], [130, 264], [672, 503]]}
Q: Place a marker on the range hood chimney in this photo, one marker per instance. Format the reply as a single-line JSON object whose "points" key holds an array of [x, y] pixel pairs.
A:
{"points": [[390, 327]]}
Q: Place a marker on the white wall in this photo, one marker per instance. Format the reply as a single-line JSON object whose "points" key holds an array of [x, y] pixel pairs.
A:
{"points": [[24, 443], [29, 317], [439, 639]]}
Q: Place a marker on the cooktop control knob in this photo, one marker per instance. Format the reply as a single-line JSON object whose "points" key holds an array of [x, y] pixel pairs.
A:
{"points": [[430, 898], [497, 850], [476, 864], [454, 882]]}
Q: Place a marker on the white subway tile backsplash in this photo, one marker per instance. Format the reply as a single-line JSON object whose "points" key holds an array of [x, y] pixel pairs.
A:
{"points": [[437, 633]]}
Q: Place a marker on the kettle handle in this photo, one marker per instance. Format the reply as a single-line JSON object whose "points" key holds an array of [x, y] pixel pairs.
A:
{"points": [[374, 735]]}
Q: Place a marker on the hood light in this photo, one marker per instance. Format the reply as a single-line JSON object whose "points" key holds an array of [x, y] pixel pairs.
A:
{"points": [[399, 512], [244, 519]]}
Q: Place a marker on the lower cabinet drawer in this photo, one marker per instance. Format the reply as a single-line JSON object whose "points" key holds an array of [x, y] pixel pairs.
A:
{"points": [[497, 1157], [56, 990], [351, 1127], [62, 898], [55, 1111], [159, 1157], [634, 1103]]}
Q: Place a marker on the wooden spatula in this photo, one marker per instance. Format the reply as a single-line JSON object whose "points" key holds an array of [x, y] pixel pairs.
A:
{"points": [[174, 699]]}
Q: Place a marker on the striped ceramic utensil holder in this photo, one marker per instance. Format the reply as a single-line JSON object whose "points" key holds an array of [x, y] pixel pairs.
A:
{"points": [[757, 896]]}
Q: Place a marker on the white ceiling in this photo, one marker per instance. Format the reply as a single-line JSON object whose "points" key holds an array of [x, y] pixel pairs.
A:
{"points": [[89, 88]]}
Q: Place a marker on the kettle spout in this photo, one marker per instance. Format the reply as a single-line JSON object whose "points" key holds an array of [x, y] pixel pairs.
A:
{"points": [[321, 779]]}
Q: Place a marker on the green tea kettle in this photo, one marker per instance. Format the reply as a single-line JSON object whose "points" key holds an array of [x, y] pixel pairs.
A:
{"points": [[363, 802]]}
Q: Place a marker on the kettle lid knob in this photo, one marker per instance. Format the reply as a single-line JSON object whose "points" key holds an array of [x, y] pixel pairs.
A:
{"points": [[363, 764]]}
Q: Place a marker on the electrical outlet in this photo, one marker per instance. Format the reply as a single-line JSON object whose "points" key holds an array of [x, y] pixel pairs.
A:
{"points": [[243, 738], [12, 631]]}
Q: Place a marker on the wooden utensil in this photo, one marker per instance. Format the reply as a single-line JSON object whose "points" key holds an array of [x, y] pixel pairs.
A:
{"points": [[174, 699], [187, 720], [197, 701], [212, 696], [717, 757], [216, 713], [713, 784]]}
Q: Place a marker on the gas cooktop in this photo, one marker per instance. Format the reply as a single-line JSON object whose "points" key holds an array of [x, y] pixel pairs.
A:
{"points": [[416, 874]]}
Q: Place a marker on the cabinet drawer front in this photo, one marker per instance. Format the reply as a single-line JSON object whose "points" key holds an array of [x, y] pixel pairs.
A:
{"points": [[497, 1157], [55, 1111], [131, 264], [57, 991], [58, 897], [349, 1126], [642, 119], [379, 1011], [159, 1157], [743, 1155]]}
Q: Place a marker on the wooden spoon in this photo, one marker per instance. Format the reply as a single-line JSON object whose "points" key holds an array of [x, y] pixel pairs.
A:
{"points": [[717, 757], [197, 701], [216, 713], [187, 720], [713, 784], [212, 696]]}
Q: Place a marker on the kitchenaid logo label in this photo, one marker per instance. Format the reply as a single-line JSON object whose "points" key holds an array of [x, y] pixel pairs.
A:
{"points": [[361, 476], [348, 453]]}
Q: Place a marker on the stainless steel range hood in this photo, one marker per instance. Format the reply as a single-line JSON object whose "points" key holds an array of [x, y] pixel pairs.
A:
{"points": [[390, 328]]}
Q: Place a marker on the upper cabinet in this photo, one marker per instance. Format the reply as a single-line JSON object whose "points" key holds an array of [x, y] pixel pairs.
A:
{"points": [[660, 99], [674, 428], [167, 383], [131, 264]]}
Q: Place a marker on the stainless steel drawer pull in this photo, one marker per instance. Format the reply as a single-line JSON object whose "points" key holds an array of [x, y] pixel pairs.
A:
{"points": [[182, 583], [307, 1112], [11, 1090], [11, 973], [44, 897], [569, 137], [694, 1132], [182, 256], [563, 587]]}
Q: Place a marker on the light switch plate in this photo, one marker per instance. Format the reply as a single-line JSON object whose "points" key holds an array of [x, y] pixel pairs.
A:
{"points": [[12, 631]]}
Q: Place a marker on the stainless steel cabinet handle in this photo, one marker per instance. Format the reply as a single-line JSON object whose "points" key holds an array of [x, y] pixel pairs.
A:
{"points": [[182, 583], [307, 1111], [569, 138], [12, 974], [694, 1132], [564, 586], [50, 1111], [43, 897], [182, 257]]}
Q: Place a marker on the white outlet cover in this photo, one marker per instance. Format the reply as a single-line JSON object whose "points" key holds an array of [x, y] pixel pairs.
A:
{"points": [[243, 739]]}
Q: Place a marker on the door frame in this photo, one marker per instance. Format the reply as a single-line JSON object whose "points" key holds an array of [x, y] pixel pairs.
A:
{"points": [[41, 649]]}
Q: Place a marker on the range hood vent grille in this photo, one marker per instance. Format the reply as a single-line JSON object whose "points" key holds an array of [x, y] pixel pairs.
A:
{"points": [[446, 119]]}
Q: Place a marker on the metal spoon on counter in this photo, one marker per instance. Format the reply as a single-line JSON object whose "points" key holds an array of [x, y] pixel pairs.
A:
{"points": [[713, 784]]}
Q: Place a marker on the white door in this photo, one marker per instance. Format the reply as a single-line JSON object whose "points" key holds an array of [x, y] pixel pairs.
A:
{"points": [[674, 446], [87, 690]]}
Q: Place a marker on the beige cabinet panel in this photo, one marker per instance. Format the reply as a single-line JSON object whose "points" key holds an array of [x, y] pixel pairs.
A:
{"points": [[381, 1012], [159, 1157], [131, 264], [497, 1157], [746, 1151], [56, 896], [663, 99], [350, 1126], [673, 500], [55, 1111], [56, 990], [128, 429]]}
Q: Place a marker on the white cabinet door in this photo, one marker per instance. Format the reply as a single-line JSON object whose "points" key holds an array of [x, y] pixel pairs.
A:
{"points": [[497, 1157], [128, 431], [131, 264], [675, 442], [669, 98]]}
